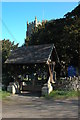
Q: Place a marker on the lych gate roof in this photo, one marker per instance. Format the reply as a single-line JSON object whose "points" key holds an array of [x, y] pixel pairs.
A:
{"points": [[31, 54]]}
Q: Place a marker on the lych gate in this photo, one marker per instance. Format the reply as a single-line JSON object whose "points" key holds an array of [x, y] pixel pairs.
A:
{"points": [[29, 65]]}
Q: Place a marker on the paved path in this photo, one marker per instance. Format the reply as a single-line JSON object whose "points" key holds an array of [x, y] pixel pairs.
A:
{"points": [[17, 106]]}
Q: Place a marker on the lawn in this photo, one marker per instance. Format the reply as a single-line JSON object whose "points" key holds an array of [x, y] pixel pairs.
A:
{"points": [[54, 94], [4, 94], [63, 94]]}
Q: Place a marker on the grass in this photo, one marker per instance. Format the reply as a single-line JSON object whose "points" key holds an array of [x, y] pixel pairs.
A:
{"points": [[4, 94], [54, 94], [62, 94]]}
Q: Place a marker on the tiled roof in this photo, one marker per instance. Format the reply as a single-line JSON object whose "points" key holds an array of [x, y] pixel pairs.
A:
{"points": [[31, 54]]}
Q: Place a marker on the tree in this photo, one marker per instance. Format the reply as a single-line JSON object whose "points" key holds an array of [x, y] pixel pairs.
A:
{"points": [[64, 33], [7, 47], [74, 13]]}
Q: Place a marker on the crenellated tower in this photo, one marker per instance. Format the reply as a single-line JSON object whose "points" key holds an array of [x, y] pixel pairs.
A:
{"points": [[30, 27]]}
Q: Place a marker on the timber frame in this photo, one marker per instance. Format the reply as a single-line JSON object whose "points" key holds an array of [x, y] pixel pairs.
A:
{"points": [[31, 61]]}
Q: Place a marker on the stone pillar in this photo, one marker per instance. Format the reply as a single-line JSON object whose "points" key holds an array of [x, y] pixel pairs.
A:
{"points": [[35, 21], [27, 29], [13, 88], [47, 88]]}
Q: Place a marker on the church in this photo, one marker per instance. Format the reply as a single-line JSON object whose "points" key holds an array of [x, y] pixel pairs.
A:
{"points": [[31, 26]]}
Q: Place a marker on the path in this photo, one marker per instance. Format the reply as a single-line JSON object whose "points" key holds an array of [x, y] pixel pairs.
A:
{"points": [[17, 106]]}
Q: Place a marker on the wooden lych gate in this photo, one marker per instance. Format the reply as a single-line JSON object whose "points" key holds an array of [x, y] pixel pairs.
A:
{"points": [[28, 65]]}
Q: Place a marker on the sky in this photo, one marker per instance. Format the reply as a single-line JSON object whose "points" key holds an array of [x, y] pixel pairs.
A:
{"points": [[16, 14]]}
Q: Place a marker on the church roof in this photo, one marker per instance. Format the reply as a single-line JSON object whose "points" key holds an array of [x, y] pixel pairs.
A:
{"points": [[31, 54]]}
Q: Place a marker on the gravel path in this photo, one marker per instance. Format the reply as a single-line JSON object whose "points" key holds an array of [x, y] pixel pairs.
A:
{"points": [[19, 106]]}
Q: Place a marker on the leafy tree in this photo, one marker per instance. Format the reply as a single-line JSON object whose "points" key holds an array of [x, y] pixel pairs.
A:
{"points": [[7, 47], [64, 33], [74, 13]]}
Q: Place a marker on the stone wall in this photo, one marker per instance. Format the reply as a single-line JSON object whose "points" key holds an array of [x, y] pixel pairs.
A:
{"points": [[69, 83]]}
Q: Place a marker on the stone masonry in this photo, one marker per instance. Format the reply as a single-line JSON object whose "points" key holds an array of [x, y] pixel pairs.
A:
{"points": [[70, 83]]}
